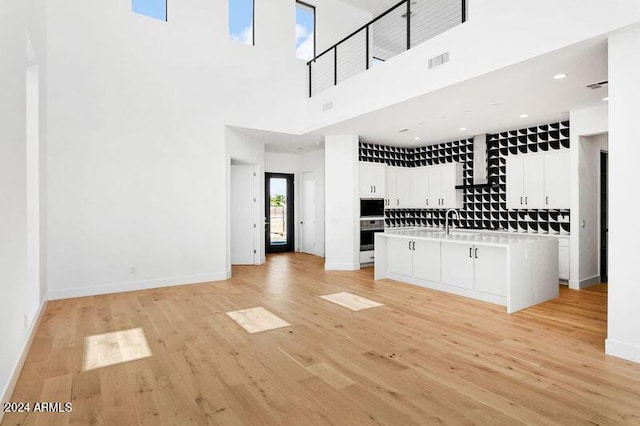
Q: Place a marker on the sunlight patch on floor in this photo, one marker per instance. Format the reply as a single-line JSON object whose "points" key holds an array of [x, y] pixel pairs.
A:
{"points": [[255, 320], [351, 301], [102, 350]]}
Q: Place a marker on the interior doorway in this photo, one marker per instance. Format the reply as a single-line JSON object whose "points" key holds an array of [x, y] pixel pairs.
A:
{"points": [[308, 222], [279, 212], [604, 216]]}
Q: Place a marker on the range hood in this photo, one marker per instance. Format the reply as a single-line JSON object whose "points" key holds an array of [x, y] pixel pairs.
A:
{"points": [[480, 160]]}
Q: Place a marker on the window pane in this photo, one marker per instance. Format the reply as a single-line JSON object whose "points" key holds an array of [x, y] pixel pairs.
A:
{"points": [[153, 8], [278, 211], [241, 21], [305, 31]]}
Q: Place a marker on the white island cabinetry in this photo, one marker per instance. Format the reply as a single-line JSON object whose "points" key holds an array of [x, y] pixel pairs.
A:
{"points": [[511, 270]]}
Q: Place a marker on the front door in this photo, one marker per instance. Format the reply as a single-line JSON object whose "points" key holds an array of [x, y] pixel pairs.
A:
{"points": [[279, 212]]}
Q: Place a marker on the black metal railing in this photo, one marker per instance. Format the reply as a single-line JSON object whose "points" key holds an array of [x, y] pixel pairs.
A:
{"points": [[405, 25]]}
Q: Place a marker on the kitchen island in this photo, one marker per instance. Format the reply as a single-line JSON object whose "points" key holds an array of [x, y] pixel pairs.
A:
{"points": [[513, 270]]}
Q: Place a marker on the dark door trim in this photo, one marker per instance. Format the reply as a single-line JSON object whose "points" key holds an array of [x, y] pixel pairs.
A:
{"points": [[290, 245], [604, 216]]}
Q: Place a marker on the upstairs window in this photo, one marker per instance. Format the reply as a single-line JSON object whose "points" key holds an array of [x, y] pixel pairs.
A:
{"points": [[241, 21], [153, 8], [305, 31]]}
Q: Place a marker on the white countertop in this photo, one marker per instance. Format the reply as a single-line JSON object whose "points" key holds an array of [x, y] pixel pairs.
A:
{"points": [[463, 236]]}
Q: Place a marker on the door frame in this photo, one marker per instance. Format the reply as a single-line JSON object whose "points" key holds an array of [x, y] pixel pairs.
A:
{"points": [[303, 213], [290, 246], [603, 205]]}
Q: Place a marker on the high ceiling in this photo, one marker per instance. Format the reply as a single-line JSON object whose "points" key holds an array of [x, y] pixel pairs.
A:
{"points": [[374, 6], [492, 102]]}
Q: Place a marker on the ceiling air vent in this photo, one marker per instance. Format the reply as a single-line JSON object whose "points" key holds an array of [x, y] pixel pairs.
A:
{"points": [[599, 85], [436, 61]]}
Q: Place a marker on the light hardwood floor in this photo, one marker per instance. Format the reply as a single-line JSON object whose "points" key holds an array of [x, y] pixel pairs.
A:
{"points": [[423, 358]]}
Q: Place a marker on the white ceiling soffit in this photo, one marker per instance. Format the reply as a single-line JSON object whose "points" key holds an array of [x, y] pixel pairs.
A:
{"points": [[490, 103], [283, 142], [376, 7]]}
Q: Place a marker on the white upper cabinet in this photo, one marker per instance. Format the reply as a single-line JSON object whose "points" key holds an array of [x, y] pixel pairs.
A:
{"points": [[373, 180], [390, 193], [450, 176], [404, 188], [538, 181], [420, 188], [442, 186], [557, 194]]}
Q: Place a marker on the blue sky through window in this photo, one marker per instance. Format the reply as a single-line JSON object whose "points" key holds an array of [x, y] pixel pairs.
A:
{"points": [[153, 8], [241, 21], [305, 32]]}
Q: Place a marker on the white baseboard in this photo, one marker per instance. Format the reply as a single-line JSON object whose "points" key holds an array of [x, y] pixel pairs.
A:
{"points": [[622, 350], [7, 392], [588, 282], [341, 266], [136, 285]]}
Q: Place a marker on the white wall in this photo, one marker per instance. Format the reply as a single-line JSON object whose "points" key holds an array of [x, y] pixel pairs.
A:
{"points": [[137, 153], [533, 28], [17, 20], [589, 225], [341, 203], [585, 122], [624, 228]]}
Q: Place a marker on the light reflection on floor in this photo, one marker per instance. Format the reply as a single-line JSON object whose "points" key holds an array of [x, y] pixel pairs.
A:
{"points": [[102, 350]]}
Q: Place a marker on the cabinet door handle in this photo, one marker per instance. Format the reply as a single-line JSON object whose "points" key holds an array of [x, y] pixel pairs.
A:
{"points": [[470, 250], [520, 200], [409, 245], [414, 246], [374, 189], [526, 200], [427, 200], [546, 200], [476, 252], [397, 201]]}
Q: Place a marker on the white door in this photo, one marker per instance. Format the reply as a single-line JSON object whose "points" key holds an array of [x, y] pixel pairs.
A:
{"points": [[420, 188], [556, 181], [399, 254], [490, 274], [457, 264], [435, 201], [534, 182], [515, 183], [426, 260], [308, 226], [243, 215]]}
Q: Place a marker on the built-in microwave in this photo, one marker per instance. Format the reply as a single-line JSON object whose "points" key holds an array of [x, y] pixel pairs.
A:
{"points": [[371, 207]]}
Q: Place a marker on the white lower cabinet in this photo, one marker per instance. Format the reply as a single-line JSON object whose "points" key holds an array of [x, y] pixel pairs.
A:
{"points": [[563, 259], [457, 265], [490, 270], [481, 268], [414, 258]]}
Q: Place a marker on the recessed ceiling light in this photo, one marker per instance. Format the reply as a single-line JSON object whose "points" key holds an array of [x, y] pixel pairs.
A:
{"points": [[462, 129], [606, 98], [417, 138], [560, 76], [524, 115], [495, 104], [403, 130]]}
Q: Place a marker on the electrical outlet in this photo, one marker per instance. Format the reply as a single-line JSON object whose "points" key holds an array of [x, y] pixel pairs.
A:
{"points": [[132, 271]]}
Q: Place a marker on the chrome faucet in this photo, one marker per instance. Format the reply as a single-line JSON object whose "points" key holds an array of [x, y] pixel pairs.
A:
{"points": [[446, 223]]}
